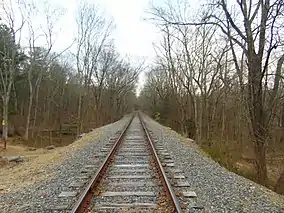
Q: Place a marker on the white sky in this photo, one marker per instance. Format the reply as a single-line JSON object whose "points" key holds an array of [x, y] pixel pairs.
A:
{"points": [[133, 36]]}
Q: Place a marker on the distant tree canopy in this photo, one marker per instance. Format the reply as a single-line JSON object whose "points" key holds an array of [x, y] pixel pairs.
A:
{"points": [[48, 95]]}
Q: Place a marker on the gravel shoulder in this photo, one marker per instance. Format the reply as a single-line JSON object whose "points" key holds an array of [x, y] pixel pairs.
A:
{"points": [[35, 184], [218, 190]]}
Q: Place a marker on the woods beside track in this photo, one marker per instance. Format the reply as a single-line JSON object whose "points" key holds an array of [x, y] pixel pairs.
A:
{"points": [[218, 189]]}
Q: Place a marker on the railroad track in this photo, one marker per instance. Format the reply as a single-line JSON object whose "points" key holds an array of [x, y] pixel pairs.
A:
{"points": [[132, 177]]}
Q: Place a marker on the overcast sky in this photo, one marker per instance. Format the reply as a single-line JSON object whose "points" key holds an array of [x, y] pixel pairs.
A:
{"points": [[133, 35]]}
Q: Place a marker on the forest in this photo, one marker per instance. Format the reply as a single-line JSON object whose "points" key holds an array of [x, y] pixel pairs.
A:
{"points": [[218, 78], [51, 97]]}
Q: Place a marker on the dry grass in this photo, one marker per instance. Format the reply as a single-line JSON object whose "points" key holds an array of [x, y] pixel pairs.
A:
{"points": [[16, 176], [240, 164], [3, 162]]}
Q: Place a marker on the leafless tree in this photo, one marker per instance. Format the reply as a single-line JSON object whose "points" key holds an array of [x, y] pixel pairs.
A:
{"points": [[11, 57], [251, 29], [93, 33]]}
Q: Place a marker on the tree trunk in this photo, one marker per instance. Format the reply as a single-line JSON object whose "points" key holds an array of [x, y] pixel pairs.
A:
{"points": [[223, 122], [279, 187], [38, 83], [260, 152], [5, 119], [26, 136], [257, 116], [60, 114], [79, 123], [197, 124], [282, 124]]}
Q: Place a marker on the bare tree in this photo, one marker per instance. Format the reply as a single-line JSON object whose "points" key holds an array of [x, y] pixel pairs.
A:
{"points": [[10, 60], [258, 38], [93, 32]]}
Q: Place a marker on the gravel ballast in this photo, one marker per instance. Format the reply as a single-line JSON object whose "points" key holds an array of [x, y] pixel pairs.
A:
{"points": [[217, 189], [43, 196]]}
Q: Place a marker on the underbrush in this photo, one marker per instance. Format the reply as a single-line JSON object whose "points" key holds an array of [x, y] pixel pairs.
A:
{"points": [[235, 162]]}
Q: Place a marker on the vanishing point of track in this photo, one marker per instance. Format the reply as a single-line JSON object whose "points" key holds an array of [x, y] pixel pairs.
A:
{"points": [[131, 178]]}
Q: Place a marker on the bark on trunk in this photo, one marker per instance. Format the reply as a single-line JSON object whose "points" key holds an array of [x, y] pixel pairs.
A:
{"points": [[257, 116], [79, 124], [60, 114], [279, 187], [5, 120], [26, 136], [36, 105]]}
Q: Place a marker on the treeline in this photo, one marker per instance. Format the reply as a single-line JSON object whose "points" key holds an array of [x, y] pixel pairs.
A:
{"points": [[47, 94], [218, 78]]}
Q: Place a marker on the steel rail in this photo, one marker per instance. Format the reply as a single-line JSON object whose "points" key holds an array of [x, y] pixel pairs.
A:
{"points": [[85, 198], [167, 186]]}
